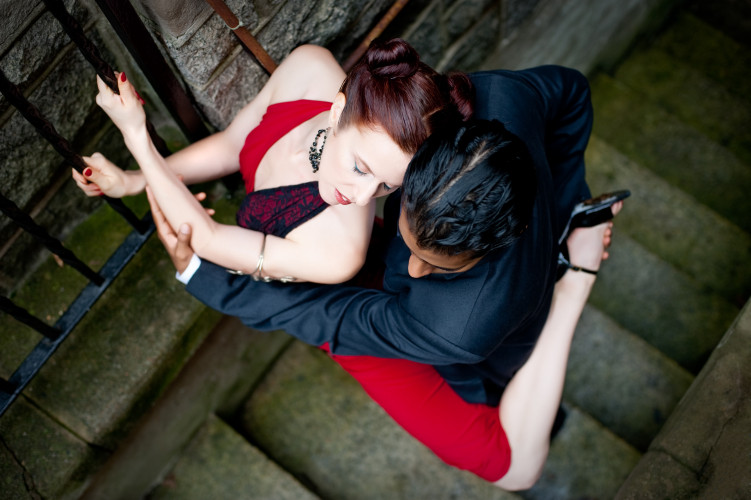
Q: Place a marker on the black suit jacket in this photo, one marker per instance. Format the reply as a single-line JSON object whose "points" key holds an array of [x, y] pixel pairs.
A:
{"points": [[477, 327]]}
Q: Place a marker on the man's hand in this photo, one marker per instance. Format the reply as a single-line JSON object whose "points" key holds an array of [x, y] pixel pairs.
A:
{"points": [[177, 244]]}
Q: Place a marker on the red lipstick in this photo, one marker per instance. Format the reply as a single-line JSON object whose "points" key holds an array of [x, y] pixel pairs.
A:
{"points": [[343, 200]]}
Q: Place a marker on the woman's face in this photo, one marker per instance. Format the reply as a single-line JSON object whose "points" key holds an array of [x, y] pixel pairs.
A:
{"points": [[359, 163]]}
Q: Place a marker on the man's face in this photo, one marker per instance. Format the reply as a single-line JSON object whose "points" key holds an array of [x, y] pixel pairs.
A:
{"points": [[423, 262]]}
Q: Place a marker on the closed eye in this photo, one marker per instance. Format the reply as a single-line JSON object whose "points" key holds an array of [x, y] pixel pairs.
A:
{"points": [[357, 170]]}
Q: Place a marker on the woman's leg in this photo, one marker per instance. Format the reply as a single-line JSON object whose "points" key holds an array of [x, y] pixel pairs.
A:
{"points": [[531, 400], [467, 436]]}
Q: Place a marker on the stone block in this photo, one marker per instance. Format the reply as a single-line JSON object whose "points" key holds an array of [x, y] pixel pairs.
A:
{"points": [[175, 21], [39, 458], [704, 445], [313, 419], [468, 52], [619, 379], [216, 379], [665, 307], [463, 14], [427, 35], [683, 156], [219, 463], [681, 231], [585, 461], [515, 12], [130, 344], [237, 85]]}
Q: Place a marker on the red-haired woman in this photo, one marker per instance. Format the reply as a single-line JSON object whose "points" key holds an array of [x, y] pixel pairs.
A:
{"points": [[313, 141]]}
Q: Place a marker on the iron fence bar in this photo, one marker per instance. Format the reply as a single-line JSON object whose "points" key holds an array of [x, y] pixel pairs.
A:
{"points": [[92, 55], [22, 315], [61, 145], [73, 315], [137, 39], [247, 39], [53, 244], [77, 35], [6, 387]]}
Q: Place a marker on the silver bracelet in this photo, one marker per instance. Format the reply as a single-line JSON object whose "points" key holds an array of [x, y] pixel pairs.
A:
{"points": [[257, 275]]}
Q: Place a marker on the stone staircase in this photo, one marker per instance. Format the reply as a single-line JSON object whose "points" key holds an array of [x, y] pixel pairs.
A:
{"points": [[176, 407]]}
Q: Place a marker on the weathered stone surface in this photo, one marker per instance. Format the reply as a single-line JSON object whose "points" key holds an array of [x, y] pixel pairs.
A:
{"points": [[683, 156], [220, 464], [660, 304], [715, 110], [177, 21], [218, 378], [703, 448], [469, 51], [60, 214], [38, 457], [687, 234], [207, 48], [620, 380], [582, 446], [463, 14], [602, 31], [233, 88], [14, 18], [314, 419], [427, 36], [515, 12], [31, 55]]}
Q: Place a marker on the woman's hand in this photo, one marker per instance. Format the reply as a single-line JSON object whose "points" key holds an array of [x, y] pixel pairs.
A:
{"points": [[104, 177], [126, 109]]}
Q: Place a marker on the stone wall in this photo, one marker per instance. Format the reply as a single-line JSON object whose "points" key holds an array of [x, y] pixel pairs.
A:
{"points": [[218, 73]]}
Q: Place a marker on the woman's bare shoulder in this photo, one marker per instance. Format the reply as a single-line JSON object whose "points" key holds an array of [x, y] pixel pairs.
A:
{"points": [[308, 72], [346, 234]]}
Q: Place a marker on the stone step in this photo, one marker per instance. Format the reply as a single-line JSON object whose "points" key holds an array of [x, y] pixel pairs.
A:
{"points": [[621, 380], [113, 367], [710, 51], [672, 225], [702, 451], [586, 461], [691, 96], [659, 303], [335, 437], [674, 150], [219, 463]]}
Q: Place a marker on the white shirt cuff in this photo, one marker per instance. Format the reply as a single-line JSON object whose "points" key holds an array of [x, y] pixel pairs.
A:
{"points": [[195, 262]]}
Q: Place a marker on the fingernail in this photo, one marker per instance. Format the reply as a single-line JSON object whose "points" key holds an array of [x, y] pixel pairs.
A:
{"points": [[123, 78], [140, 98], [184, 229], [87, 172]]}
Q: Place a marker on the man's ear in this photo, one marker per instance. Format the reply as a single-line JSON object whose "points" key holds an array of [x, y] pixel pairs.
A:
{"points": [[336, 109]]}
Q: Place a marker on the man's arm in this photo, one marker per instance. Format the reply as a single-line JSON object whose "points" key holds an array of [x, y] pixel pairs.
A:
{"points": [[349, 318]]}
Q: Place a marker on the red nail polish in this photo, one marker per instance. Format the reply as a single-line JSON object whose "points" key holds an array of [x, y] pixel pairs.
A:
{"points": [[123, 78], [140, 98], [87, 172]]}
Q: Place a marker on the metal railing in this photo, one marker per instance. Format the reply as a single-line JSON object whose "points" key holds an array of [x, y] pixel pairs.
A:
{"points": [[142, 48]]}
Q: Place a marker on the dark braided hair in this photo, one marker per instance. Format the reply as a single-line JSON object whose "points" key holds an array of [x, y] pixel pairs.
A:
{"points": [[390, 87], [470, 189]]}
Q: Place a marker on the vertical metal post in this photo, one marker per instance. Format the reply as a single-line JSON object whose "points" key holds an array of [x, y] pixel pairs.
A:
{"points": [[137, 39]]}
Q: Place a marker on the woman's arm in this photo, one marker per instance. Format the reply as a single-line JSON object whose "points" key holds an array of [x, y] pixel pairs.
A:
{"points": [[305, 255]]}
